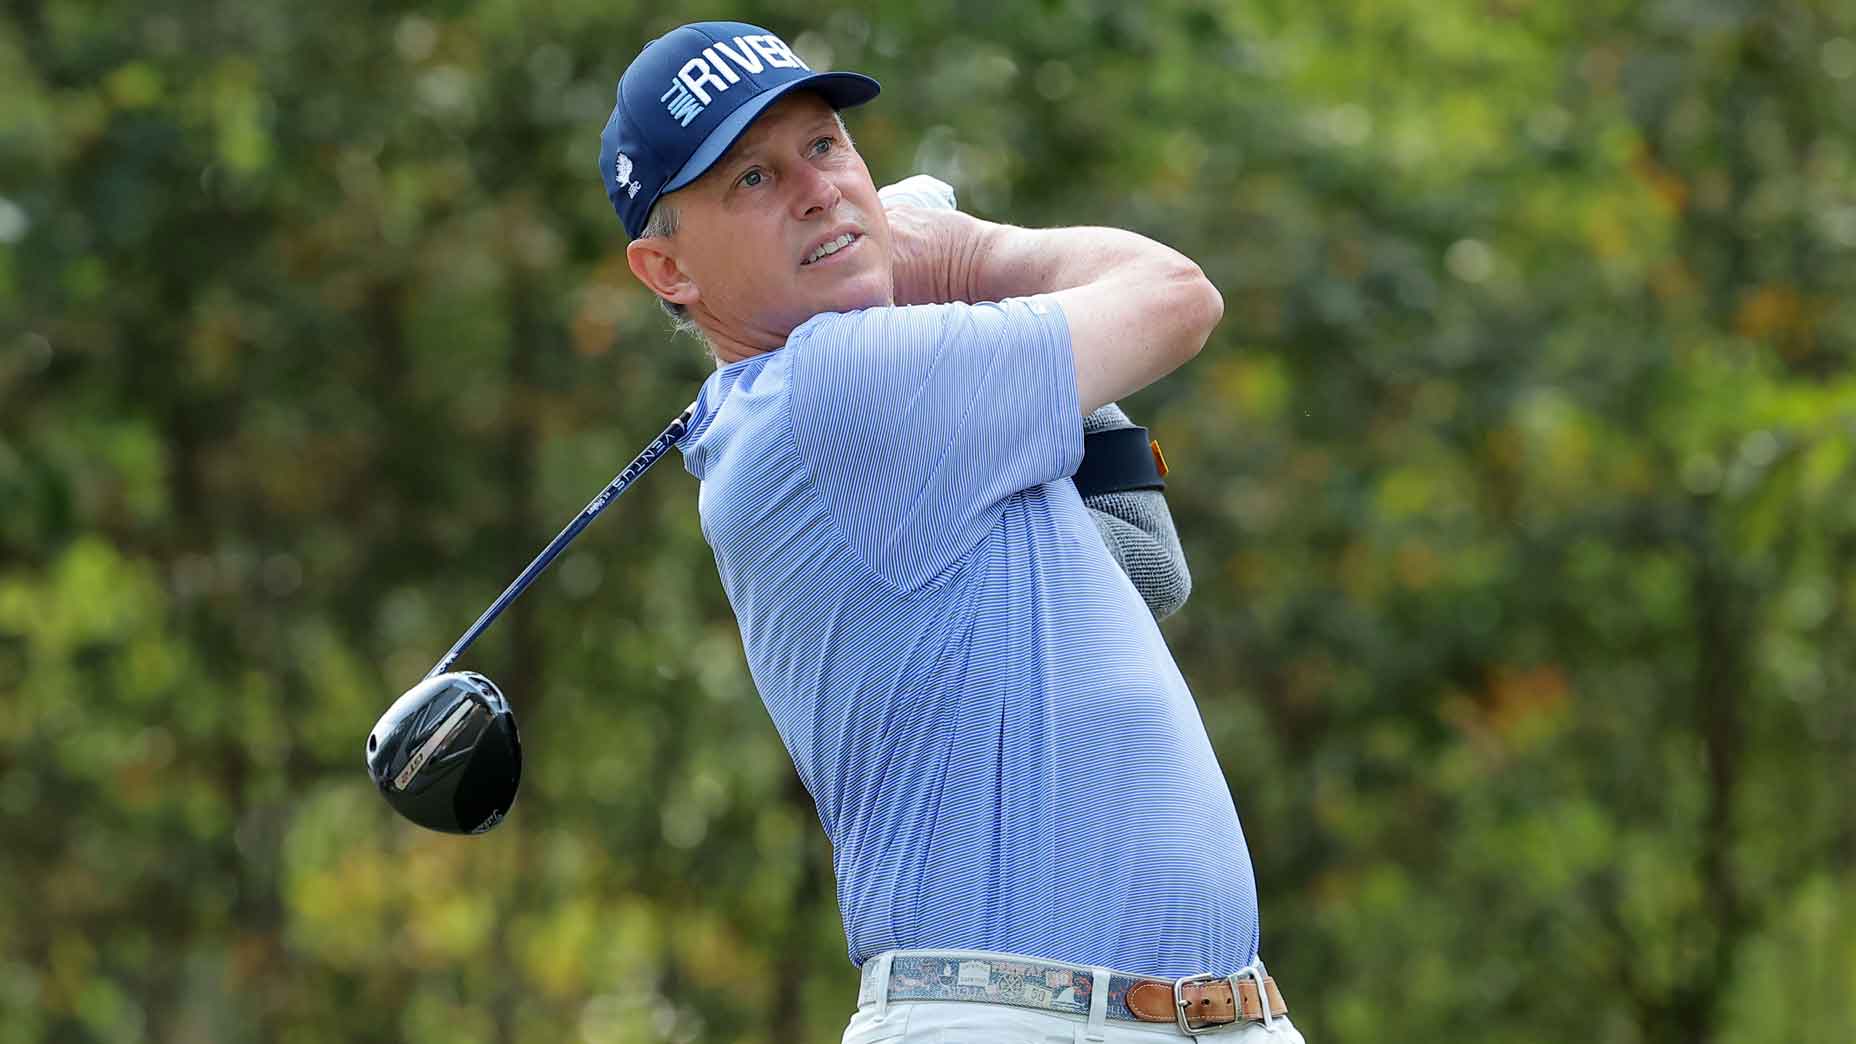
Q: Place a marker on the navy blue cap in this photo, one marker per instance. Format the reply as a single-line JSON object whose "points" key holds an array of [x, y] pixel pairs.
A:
{"points": [[686, 98]]}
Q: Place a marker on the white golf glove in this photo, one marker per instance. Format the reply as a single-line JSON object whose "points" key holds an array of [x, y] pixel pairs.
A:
{"points": [[918, 190]]}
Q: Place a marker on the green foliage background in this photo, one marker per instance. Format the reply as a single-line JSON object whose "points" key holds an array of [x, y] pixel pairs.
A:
{"points": [[1517, 485]]}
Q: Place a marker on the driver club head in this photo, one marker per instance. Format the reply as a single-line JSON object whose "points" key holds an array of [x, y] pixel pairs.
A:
{"points": [[446, 754]]}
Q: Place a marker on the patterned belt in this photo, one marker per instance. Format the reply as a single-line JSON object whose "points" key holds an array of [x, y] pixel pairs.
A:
{"points": [[1196, 1004]]}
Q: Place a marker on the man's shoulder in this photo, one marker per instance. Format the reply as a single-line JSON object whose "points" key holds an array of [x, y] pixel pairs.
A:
{"points": [[741, 404]]}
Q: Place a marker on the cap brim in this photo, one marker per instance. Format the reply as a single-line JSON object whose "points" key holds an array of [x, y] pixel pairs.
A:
{"points": [[841, 90]]}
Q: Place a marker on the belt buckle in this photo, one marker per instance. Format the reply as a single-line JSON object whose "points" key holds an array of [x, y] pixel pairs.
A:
{"points": [[1254, 974], [1179, 1006]]}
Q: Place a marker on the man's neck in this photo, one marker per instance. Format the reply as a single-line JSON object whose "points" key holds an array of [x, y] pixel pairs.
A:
{"points": [[730, 345], [729, 350]]}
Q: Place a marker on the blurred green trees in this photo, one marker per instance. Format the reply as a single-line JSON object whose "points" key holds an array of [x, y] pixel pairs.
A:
{"points": [[1517, 485]]}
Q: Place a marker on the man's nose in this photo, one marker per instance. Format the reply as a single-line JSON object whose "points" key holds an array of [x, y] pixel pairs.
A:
{"points": [[816, 193]]}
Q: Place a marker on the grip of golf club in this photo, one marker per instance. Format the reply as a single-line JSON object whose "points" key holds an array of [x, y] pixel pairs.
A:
{"points": [[639, 465]]}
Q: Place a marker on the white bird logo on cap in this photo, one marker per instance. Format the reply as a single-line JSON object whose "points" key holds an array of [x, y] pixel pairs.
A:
{"points": [[622, 168]]}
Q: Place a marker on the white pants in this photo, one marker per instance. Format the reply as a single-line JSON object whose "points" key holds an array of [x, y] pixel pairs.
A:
{"points": [[964, 1022]]}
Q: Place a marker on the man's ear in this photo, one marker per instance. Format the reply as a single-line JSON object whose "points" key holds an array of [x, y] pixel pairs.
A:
{"points": [[654, 262]]}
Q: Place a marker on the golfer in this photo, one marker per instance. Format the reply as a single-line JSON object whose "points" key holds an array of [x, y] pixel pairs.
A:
{"points": [[1031, 834]]}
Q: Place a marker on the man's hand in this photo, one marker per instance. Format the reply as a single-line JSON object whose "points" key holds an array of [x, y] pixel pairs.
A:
{"points": [[924, 244], [935, 251]]}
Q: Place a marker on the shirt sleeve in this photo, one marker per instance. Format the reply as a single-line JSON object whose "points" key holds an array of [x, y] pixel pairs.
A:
{"points": [[920, 422]]}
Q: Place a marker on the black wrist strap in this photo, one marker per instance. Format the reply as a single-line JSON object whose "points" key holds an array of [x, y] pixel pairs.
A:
{"points": [[1118, 461]]}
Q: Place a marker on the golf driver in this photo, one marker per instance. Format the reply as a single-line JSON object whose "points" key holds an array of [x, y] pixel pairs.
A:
{"points": [[446, 754]]}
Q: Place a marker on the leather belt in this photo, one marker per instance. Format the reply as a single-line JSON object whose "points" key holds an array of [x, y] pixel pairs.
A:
{"points": [[1196, 1004]]}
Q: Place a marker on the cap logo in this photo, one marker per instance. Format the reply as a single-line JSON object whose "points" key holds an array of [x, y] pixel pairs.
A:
{"points": [[622, 170], [715, 66]]}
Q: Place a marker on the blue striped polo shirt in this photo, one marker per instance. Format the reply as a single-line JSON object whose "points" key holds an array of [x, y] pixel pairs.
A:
{"points": [[998, 742]]}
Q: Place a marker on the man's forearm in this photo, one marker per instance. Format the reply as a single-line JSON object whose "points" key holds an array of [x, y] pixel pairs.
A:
{"points": [[972, 260], [1136, 309], [949, 255]]}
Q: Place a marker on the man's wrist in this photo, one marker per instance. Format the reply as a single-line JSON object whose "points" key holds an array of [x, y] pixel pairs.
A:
{"points": [[968, 264], [937, 253]]}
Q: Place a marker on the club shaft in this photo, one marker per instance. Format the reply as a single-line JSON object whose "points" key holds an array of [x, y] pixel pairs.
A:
{"points": [[639, 465]]}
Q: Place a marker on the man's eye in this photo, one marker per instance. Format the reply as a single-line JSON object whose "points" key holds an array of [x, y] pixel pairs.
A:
{"points": [[751, 179], [821, 146]]}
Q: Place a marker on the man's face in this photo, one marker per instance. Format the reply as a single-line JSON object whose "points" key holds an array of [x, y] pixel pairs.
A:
{"points": [[753, 230]]}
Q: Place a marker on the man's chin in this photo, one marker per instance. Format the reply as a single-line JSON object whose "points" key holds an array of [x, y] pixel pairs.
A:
{"points": [[875, 290]]}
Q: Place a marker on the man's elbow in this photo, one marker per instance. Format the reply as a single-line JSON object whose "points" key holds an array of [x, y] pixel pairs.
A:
{"points": [[1198, 308]]}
